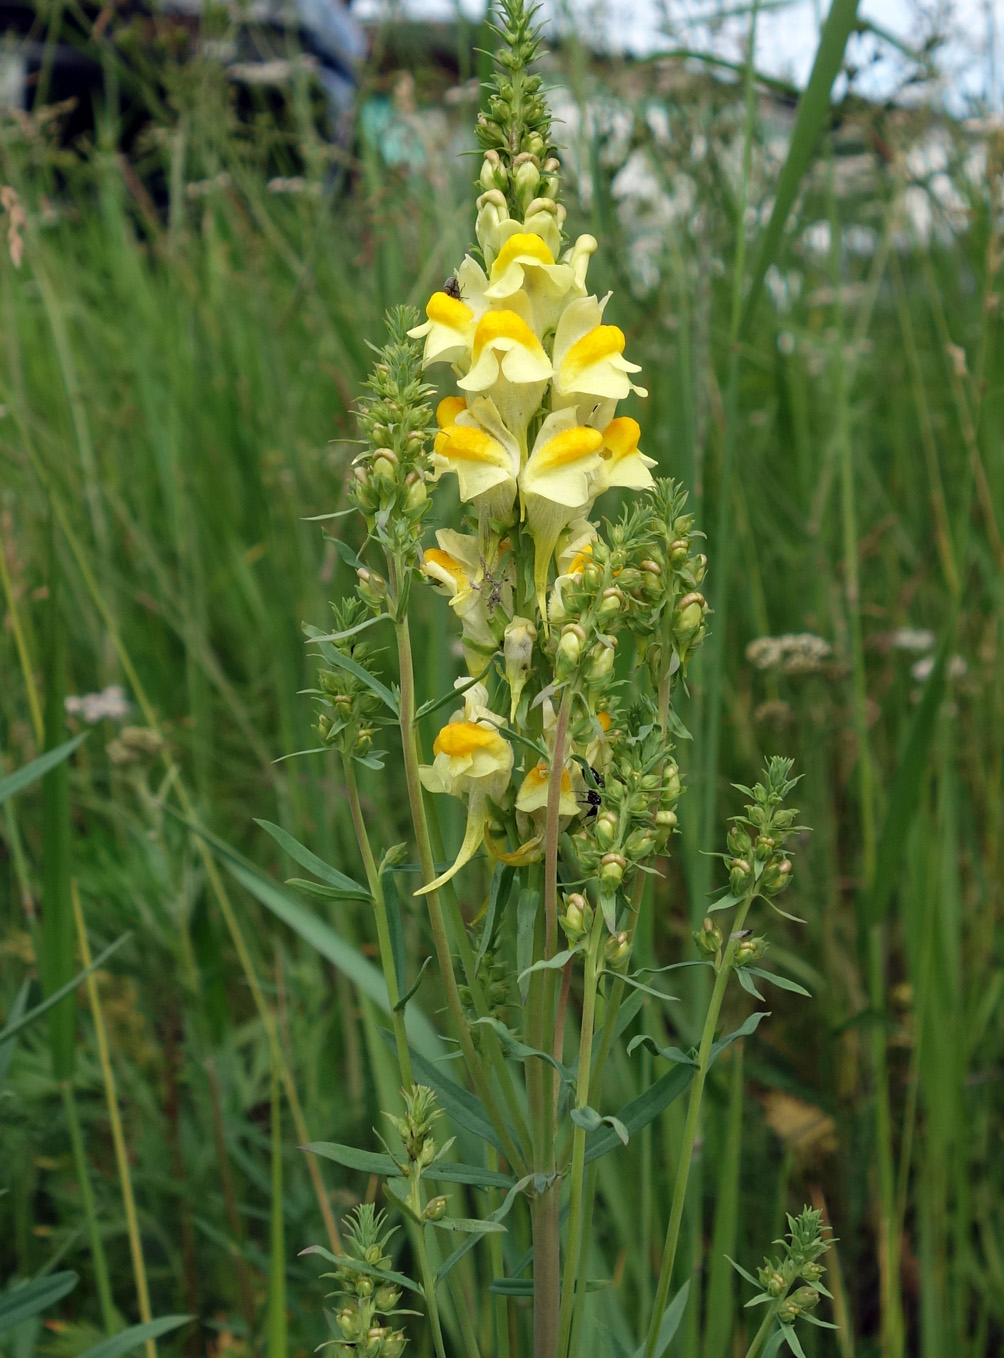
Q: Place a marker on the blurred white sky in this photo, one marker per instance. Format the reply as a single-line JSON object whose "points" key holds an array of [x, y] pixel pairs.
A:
{"points": [[971, 61]]}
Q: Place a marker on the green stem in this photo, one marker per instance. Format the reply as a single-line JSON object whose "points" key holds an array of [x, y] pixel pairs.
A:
{"points": [[409, 742], [572, 1295], [762, 1333], [102, 1282], [429, 1291], [690, 1128], [375, 884], [118, 1135]]}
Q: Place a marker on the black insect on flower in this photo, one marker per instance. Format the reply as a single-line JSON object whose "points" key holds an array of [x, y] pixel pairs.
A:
{"points": [[591, 800], [452, 289]]}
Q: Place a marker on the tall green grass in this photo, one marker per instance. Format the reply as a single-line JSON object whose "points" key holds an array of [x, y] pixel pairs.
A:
{"points": [[176, 403]]}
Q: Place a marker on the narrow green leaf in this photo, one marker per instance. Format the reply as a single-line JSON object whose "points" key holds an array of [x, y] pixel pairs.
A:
{"points": [[519, 1051], [669, 1324], [773, 1344], [370, 1162], [905, 792], [318, 934], [792, 1340], [21, 778], [136, 1335], [413, 987], [744, 1030], [343, 662], [641, 1111], [57, 953], [470, 1225], [739, 1269], [748, 984], [498, 898], [554, 963], [502, 1211], [526, 919], [275, 1315], [674, 1054], [781, 982], [813, 109], [320, 891], [16, 1014], [302, 855], [452, 1172], [15, 1025], [29, 1299], [385, 1275]]}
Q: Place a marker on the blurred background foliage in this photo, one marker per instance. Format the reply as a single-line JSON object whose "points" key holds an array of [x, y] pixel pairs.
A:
{"points": [[186, 301]]}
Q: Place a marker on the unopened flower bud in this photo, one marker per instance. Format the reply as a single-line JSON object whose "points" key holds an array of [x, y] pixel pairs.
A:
{"points": [[688, 617], [788, 1311], [612, 867], [385, 465], [578, 916], [393, 1345], [373, 1255], [493, 173], [372, 586], [605, 829], [666, 820], [570, 647], [611, 603], [526, 178], [772, 1281], [805, 1298], [601, 662], [617, 949], [750, 950], [812, 1272], [347, 1322], [640, 843], [387, 1297], [698, 567], [740, 876], [435, 1209], [709, 937], [417, 494], [679, 551]]}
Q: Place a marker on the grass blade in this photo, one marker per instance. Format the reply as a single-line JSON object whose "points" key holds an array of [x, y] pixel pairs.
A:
{"points": [[813, 108]]}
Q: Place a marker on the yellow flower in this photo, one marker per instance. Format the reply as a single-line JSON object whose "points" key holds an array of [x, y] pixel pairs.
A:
{"points": [[557, 485], [483, 455], [623, 462], [508, 364], [525, 264], [533, 791], [589, 362], [448, 331], [456, 567], [472, 759]]}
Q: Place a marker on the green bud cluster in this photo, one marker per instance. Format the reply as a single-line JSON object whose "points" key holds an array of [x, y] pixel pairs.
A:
{"points": [[798, 1259], [360, 1323], [389, 477], [514, 130], [494, 973], [636, 814], [421, 1113], [347, 707], [644, 579], [756, 857]]}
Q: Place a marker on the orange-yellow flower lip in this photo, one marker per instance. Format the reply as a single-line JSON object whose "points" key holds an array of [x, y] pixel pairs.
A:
{"points": [[447, 310], [504, 325], [620, 438], [568, 447], [522, 244], [450, 565], [465, 737], [602, 342]]}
